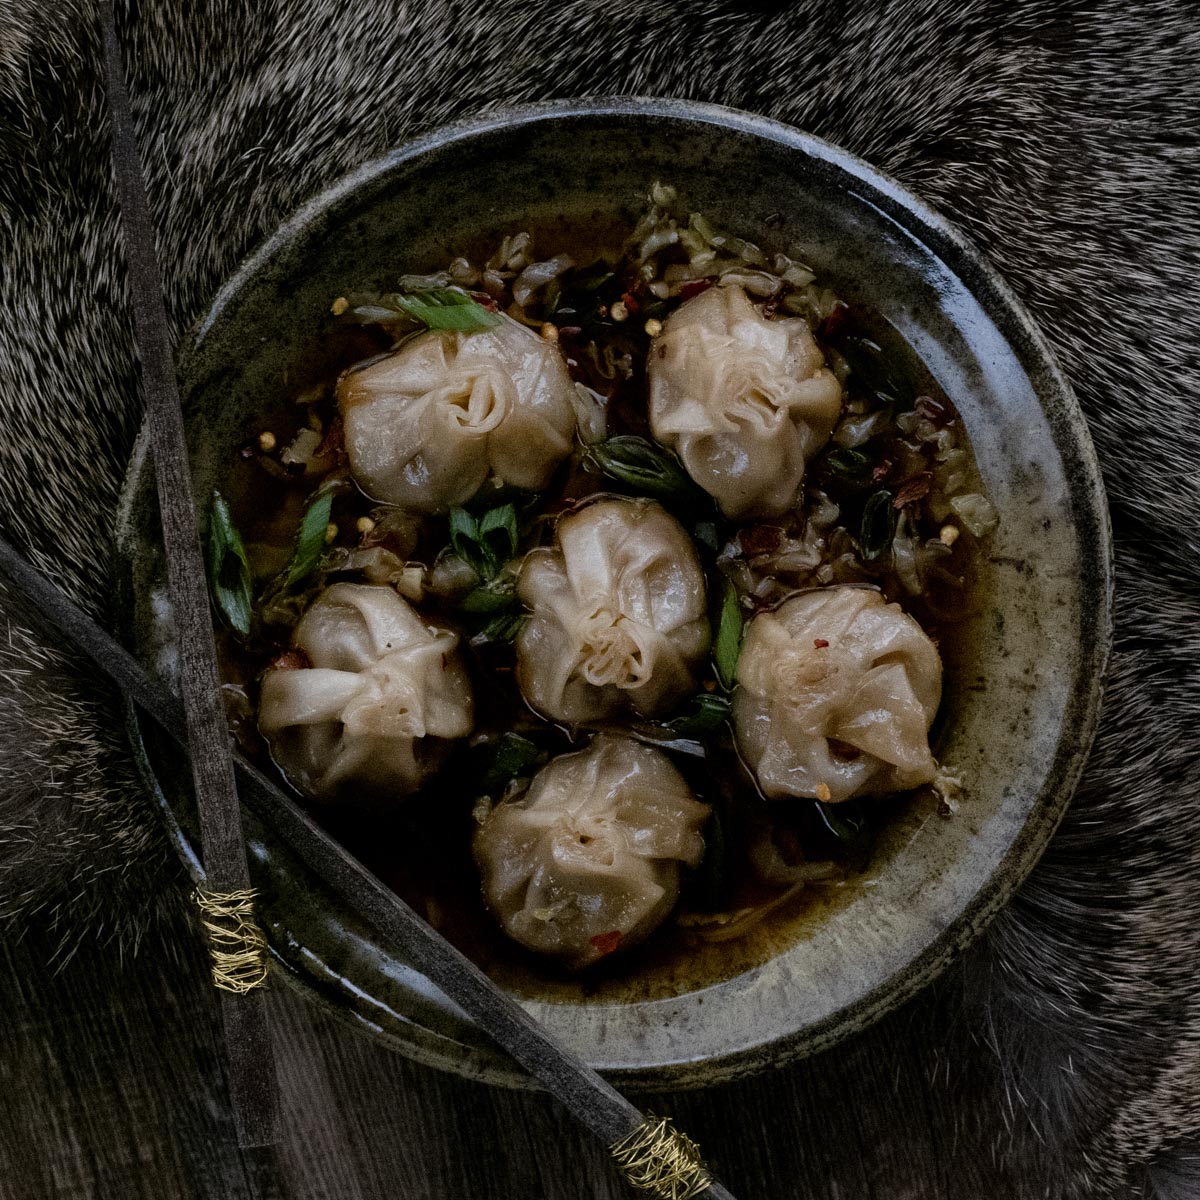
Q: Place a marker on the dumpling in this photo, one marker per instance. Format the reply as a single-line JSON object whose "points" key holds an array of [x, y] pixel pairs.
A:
{"points": [[428, 423], [618, 614], [589, 859], [375, 711], [745, 401], [838, 688]]}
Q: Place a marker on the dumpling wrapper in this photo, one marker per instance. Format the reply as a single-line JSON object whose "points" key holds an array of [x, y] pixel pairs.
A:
{"points": [[377, 708], [427, 424], [837, 663], [618, 614], [589, 859], [744, 401]]}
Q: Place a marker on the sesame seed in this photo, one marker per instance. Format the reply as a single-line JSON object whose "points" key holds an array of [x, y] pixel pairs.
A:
{"points": [[948, 535], [550, 331], [339, 306], [266, 441], [653, 327], [661, 289], [331, 532], [823, 793], [619, 310], [364, 524]]}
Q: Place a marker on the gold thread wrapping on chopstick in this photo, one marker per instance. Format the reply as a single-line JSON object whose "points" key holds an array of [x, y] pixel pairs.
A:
{"points": [[657, 1158], [237, 945]]}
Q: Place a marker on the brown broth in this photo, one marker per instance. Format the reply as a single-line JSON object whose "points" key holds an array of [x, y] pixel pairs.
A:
{"points": [[420, 846]]}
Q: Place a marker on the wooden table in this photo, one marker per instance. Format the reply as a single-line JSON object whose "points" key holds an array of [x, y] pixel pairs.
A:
{"points": [[113, 1087]]}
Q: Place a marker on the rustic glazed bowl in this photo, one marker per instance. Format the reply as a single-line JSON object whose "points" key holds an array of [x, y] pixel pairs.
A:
{"points": [[1019, 709]]}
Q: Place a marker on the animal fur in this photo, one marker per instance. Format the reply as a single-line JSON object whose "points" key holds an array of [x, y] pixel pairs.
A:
{"points": [[1065, 137]]}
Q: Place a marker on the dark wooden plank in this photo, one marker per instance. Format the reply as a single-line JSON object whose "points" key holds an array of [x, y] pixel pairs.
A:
{"points": [[113, 1085], [112, 1078]]}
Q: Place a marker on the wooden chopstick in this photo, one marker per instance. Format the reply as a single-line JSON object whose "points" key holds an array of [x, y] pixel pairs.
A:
{"points": [[587, 1096], [665, 1162], [247, 1035]]}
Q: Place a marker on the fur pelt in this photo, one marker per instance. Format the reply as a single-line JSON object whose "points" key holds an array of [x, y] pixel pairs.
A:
{"points": [[1064, 137]]}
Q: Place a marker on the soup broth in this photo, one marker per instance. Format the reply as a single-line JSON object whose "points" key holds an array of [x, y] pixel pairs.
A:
{"points": [[892, 502]]}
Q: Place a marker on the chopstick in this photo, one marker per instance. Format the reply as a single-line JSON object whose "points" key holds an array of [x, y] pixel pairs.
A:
{"points": [[237, 946], [651, 1154], [587, 1096]]}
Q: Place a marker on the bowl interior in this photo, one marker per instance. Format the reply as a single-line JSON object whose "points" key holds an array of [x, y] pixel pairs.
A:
{"points": [[1019, 709]]}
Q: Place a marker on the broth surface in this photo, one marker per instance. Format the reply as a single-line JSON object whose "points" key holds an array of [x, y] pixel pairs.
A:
{"points": [[421, 845]]}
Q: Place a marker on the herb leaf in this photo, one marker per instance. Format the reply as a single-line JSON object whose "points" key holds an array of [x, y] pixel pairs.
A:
{"points": [[464, 529], [506, 758], [848, 823], [503, 627], [727, 645], [579, 301], [641, 465], [435, 308], [878, 525], [708, 713], [590, 278], [866, 359], [850, 464], [310, 538], [446, 308], [490, 598], [712, 876], [228, 566], [497, 535], [486, 542]]}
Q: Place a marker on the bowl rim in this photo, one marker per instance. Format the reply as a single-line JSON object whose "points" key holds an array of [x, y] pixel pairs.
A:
{"points": [[1085, 487]]}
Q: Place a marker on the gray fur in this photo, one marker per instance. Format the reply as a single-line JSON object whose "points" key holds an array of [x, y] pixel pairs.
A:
{"points": [[1174, 1177], [1063, 136]]}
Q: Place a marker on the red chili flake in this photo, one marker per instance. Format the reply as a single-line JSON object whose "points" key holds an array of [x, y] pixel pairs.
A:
{"points": [[484, 301], [937, 412], [831, 326], [760, 539], [291, 660], [929, 408], [820, 643], [917, 488], [882, 471], [606, 943], [695, 286], [334, 442], [631, 302]]}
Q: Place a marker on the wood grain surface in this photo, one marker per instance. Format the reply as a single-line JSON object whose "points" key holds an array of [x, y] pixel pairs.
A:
{"points": [[113, 1086]]}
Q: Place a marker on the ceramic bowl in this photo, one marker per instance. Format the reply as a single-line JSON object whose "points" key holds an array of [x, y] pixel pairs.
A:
{"points": [[1019, 710]]}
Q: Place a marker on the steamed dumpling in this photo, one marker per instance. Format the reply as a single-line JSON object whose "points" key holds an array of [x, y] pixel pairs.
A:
{"points": [[589, 859], [745, 401], [838, 688], [427, 424], [618, 620], [375, 711]]}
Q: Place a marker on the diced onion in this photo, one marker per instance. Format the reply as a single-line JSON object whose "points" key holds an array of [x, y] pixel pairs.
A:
{"points": [[537, 275], [976, 512]]}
